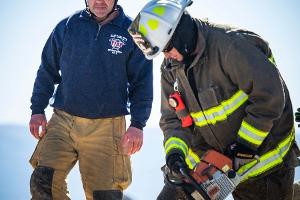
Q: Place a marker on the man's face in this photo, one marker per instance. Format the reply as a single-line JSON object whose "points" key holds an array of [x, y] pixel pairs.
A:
{"points": [[101, 8], [173, 54]]}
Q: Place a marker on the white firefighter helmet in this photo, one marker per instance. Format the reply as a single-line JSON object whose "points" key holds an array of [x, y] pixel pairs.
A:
{"points": [[155, 24]]}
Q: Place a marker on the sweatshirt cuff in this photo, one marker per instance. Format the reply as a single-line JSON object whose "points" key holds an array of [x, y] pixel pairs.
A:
{"points": [[137, 124], [34, 112]]}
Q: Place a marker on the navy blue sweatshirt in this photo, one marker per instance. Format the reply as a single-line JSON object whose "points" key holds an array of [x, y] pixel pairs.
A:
{"points": [[99, 70]]}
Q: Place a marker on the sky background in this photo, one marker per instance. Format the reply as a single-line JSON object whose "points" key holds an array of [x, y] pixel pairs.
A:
{"points": [[26, 25]]}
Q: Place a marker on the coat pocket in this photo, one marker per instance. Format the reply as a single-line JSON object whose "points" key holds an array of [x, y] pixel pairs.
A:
{"points": [[208, 98], [213, 110], [122, 171]]}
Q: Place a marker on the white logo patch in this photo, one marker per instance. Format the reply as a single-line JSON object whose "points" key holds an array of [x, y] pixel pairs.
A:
{"points": [[116, 42]]}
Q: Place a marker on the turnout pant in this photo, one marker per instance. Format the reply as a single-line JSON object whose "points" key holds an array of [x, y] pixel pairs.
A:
{"points": [[95, 144], [277, 185]]}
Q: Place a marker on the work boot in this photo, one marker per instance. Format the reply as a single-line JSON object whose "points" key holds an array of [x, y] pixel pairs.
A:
{"points": [[41, 183], [108, 195]]}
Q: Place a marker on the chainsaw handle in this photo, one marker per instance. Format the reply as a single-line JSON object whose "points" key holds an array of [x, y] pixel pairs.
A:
{"points": [[198, 187], [172, 182]]}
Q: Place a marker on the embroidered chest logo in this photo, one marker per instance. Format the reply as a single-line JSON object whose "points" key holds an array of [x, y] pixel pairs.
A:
{"points": [[116, 42]]}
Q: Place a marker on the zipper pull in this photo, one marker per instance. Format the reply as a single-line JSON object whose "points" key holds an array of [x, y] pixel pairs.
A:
{"points": [[176, 86]]}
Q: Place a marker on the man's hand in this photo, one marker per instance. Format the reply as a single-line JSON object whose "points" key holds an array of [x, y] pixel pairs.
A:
{"points": [[37, 121], [132, 140], [297, 116]]}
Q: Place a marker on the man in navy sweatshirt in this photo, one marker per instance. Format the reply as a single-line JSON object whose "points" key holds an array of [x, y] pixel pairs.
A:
{"points": [[99, 73]]}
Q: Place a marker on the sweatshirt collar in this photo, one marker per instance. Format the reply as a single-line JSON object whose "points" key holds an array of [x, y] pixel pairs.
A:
{"points": [[118, 21]]}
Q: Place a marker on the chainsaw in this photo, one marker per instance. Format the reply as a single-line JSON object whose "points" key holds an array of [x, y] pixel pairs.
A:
{"points": [[214, 177]]}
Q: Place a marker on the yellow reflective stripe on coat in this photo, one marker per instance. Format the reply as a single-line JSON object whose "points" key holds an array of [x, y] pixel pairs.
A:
{"points": [[267, 161], [220, 113], [192, 159], [176, 143], [251, 134]]}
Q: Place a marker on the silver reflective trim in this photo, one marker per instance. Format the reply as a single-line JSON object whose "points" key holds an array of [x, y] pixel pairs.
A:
{"points": [[258, 166], [199, 119], [268, 160], [214, 115], [225, 111], [251, 134], [192, 161]]}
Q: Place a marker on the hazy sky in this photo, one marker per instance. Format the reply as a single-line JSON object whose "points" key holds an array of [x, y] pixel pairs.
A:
{"points": [[25, 26]]}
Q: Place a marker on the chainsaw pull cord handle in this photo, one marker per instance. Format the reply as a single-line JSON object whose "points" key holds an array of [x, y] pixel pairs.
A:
{"points": [[198, 187]]}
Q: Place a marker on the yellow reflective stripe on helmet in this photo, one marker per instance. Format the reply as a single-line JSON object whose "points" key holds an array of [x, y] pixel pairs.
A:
{"points": [[153, 24], [176, 143], [268, 160], [159, 10], [192, 159], [272, 60], [220, 113], [251, 134], [143, 30]]}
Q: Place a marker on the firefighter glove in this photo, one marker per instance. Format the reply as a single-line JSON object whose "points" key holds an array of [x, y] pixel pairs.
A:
{"points": [[297, 116], [175, 162], [241, 155]]}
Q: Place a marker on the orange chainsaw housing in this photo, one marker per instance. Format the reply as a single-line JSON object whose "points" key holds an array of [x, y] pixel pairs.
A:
{"points": [[211, 162]]}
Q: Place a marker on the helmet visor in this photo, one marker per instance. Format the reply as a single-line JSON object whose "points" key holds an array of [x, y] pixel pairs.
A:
{"points": [[140, 40]]}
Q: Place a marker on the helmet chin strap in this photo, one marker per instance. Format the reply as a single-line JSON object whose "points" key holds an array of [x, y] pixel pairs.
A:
{"points": [[92, 14]]}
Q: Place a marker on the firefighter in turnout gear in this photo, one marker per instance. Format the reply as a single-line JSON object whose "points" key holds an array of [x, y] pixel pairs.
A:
{"points": [[232, 89]]}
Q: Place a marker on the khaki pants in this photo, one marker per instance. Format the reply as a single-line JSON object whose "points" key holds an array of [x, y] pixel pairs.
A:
{"points": [[92, 142]]}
